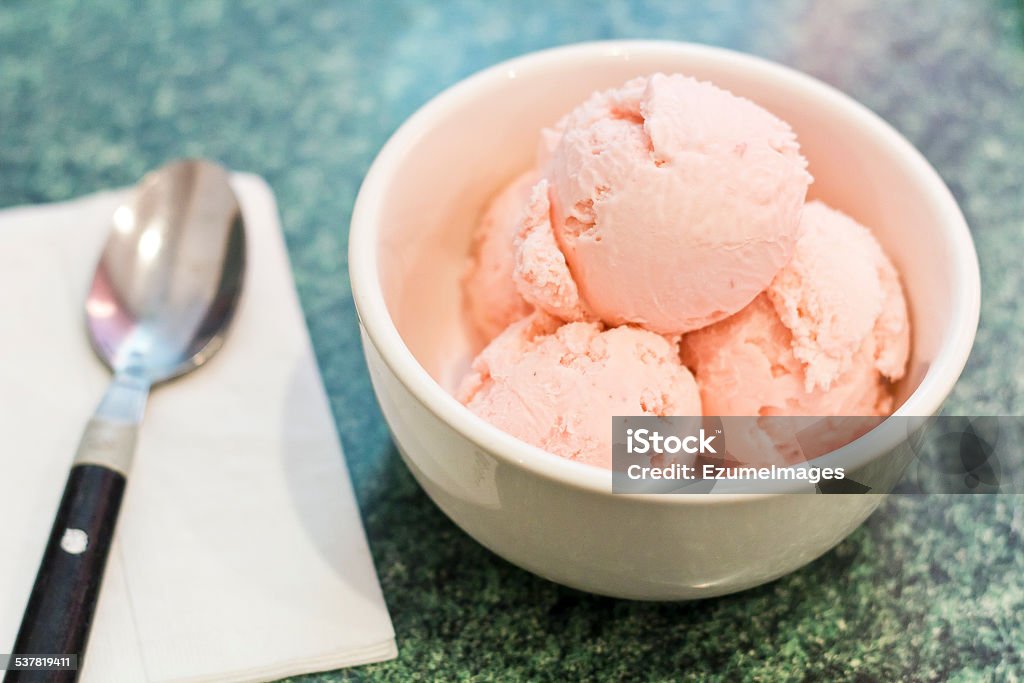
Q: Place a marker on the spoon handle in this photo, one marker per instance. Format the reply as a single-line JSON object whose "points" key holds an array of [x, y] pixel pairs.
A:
{"points": [[60, 608]]}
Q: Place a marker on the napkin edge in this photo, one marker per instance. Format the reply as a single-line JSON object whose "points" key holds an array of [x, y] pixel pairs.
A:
{"points": [[370, 654]]}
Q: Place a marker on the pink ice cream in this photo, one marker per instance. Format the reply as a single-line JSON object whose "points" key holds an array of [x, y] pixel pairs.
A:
{"points": [[670, 207], [825, 338], [557, 385], [492, 299], [667, 203]]}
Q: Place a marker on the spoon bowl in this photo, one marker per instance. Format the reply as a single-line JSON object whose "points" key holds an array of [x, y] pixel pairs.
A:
{"points": [[170, 275]]}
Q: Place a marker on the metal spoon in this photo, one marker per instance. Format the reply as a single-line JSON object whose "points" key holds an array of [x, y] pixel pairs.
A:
{"points": [[164, 292]]}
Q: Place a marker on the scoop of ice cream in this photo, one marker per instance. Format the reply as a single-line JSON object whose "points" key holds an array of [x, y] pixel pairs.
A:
{"points": [[557, 385], [672, 203], [825, 338], [492, 300]]}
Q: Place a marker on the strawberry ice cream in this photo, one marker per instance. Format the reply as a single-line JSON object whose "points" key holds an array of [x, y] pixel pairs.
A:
{"points": [[826, 337], [491, 295], [664, 232], [670, 204], [558, 385]]}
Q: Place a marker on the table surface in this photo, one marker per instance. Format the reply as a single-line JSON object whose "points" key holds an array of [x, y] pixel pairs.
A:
{"points": [[94, 94]]}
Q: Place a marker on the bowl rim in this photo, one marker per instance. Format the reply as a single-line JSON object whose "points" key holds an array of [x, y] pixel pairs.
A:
{"points": [[379, 328]]}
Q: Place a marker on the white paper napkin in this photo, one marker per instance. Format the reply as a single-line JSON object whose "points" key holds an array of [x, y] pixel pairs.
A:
{"points": [[240, 553]]}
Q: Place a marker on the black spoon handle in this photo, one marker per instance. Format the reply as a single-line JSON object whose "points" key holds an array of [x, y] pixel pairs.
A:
{"points": [[60, 609]]}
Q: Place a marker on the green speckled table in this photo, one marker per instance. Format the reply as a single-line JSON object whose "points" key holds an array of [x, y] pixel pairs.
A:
{"points": [[304, 93]]}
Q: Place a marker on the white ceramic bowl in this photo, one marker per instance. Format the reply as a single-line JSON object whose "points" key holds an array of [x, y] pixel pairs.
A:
{"points": [[409, 238]]}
